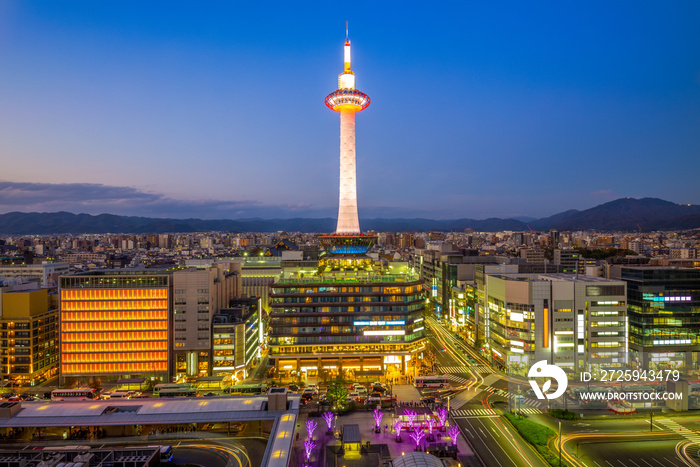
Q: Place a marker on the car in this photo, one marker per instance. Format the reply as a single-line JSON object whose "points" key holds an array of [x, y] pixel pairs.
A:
{"points": [[363, 391], [209, 394], [374, 398], [358, 386], [309, 392], [293, 387], [312, 386], [355, 396]]}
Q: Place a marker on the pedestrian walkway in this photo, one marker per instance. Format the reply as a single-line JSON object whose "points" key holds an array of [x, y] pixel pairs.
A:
{"points": [[458, 380], [672, 425], [488, 412], [465, 369], [473, 413], [508, 395]]}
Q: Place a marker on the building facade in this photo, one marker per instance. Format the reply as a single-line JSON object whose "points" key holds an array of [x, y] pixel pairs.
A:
{"points": [[29, 331], [578, 323], [115, 324], [199, 293], [368, 319], [236, 338], [664, 317]]}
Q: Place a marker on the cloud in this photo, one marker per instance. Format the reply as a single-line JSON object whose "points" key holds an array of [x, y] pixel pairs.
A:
{"points": [[605, 193], [94, 198]]}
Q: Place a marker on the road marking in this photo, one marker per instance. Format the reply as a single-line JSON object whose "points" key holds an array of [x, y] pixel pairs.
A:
{"points": [[596, 463], [633, 462], [495, 432], [655, 460], [609, 463]]}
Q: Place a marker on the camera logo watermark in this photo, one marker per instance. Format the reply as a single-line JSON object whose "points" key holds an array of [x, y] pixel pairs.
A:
{"points": [[542, 369]]}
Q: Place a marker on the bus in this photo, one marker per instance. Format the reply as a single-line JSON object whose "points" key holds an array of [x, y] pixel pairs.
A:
{"points": [[74, 394], [246, 390], [177, 392], [159, 387], [432, 382]]}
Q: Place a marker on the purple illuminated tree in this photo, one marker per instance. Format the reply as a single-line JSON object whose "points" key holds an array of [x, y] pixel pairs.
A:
{"points": [[431, 424], [310, 428], [308, 448], [397, 428], [453, 431], [378, 414], [417, 436], [411, 416], [328, 417], [442, 416]]}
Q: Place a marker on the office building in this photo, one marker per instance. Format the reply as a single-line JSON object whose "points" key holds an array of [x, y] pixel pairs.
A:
{"points": [[199, 293], [664, 317], [237, 333], [578, 323]]}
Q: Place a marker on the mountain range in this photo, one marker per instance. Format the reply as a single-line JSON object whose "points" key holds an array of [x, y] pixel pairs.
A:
{"points": [[622, 214]]}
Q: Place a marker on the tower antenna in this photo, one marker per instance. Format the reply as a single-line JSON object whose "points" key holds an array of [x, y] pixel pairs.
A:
{"points": [[346, 30]]}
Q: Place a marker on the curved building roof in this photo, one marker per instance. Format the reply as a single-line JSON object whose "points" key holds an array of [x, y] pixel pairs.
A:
{"points": [[417, 459]]}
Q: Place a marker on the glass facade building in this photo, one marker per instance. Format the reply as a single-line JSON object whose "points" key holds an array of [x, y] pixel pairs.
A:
{"points": [[664, 316]]}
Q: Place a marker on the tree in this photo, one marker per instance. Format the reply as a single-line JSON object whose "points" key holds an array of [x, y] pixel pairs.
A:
{"points": [[338, 391]]}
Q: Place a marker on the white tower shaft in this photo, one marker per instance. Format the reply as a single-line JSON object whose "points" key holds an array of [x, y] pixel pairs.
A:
{"points": [[348, 221]]}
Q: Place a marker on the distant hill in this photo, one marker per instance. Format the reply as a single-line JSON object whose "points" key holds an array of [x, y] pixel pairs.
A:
{"points": [[622, 214], [627, 214]]}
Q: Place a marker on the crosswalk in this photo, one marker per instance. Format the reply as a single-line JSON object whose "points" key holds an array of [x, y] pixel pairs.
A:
{"points": [[459, 370], [487, 412], [507, 395], [458, 380], [672, 425]]}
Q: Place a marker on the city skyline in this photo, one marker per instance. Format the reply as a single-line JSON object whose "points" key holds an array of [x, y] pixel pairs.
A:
{"points": [[526, 111]]}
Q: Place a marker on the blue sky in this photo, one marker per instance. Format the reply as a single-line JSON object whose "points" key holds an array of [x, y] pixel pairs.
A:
{"points": [[216, 111]]}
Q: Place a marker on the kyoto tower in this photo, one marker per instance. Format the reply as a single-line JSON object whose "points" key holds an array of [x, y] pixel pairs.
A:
{"points": [[347, 101]]}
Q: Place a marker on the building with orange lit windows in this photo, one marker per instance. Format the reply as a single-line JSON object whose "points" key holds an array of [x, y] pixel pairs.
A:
{"points": [[115, 324]]}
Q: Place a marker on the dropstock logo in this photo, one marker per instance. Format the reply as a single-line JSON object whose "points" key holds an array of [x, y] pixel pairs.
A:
{"points": [[542, 369]]}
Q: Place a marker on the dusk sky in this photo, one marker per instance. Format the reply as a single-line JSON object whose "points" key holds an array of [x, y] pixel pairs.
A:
{"points": [[216, 110]]}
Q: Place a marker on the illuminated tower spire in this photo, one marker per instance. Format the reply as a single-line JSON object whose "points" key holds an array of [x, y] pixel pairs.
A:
{"points": [[347, 101]]}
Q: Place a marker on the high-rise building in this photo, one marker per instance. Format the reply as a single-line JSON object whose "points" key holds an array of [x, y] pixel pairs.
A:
{"points": [[114, 324], [664, 317], [577, 323], [29, 327], [347, 310], [199, 293], [236, 337]]}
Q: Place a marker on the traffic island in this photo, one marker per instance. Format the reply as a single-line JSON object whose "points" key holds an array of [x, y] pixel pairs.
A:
{"points": [[538, 436]]}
